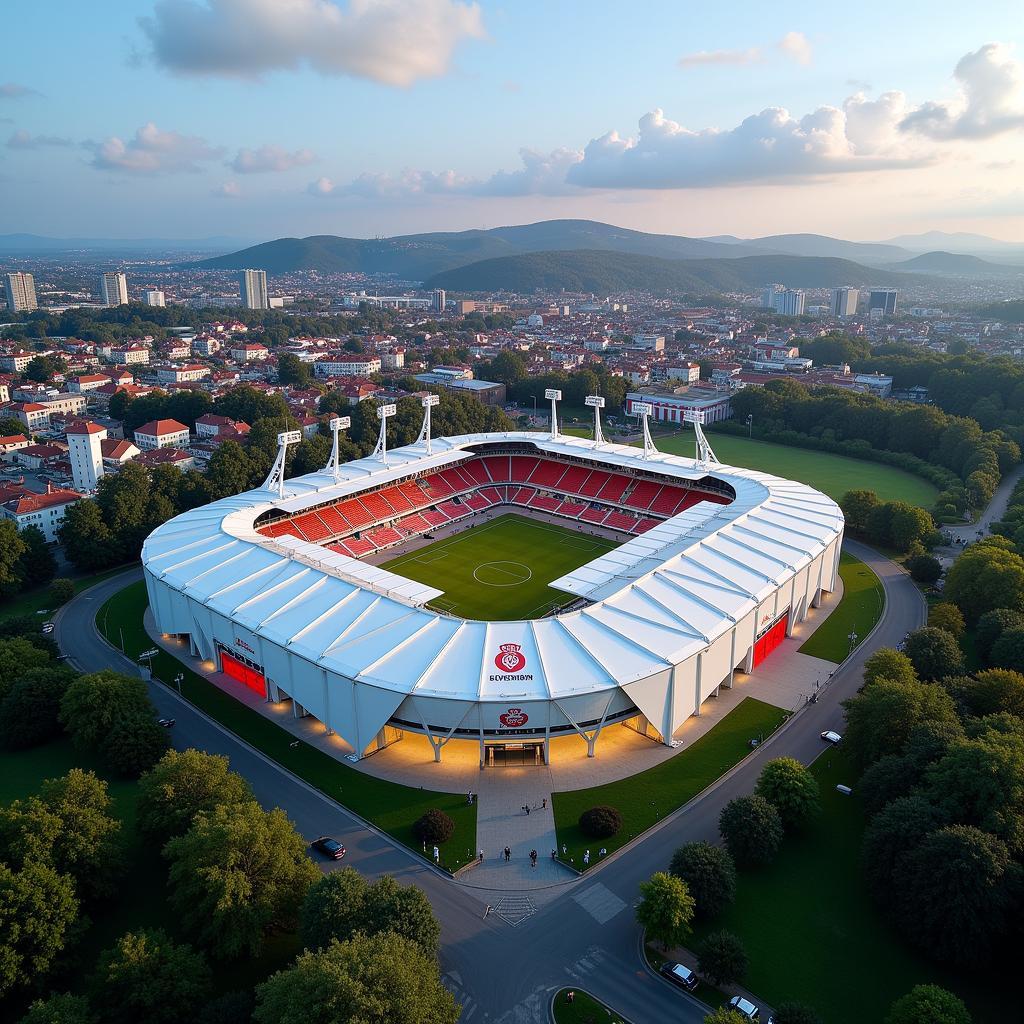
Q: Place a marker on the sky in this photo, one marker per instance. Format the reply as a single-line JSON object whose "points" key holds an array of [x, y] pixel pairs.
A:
{"points": [[258, 119]]}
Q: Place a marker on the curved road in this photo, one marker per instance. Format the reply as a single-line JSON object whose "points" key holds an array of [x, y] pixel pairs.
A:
{"points": [[581, 934]]}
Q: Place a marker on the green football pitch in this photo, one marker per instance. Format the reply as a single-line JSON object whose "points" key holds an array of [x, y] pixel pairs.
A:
{"points": [[501, 569]]}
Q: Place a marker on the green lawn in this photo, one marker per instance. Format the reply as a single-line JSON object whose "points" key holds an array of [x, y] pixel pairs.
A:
{"points": [[38, 600], [140, 900], [390, 807], [584, 1009], [813, 933], [860, 608], [646, 798], [501, 569], [832, 474]]}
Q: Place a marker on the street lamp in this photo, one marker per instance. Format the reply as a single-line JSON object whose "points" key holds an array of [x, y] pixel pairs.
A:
{"points": [[750, 425], [148, 656], [179, 679], [853, 638]]}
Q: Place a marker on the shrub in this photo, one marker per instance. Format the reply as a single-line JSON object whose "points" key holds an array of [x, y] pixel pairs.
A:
{"points": [[795, 1013], [945, 615], [433, 827], [791, 789], [710, 875], [752, 830], [924, 568], [992, 625], [723, 959], [61, 591], [600, 822], [934, 653]]}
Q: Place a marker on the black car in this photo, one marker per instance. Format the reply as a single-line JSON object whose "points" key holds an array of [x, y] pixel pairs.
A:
{"points": [[679, 975], [329, 847]]}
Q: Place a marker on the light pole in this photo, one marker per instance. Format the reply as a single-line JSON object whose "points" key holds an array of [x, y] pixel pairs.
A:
{"points": [[853, 641], [534, 397], [179, 679], [750, 425]]}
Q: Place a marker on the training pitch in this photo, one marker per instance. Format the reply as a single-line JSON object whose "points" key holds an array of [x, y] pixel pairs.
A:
{"points": [[501, 569]]}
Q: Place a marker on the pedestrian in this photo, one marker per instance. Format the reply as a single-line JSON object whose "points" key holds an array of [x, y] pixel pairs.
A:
{"points": [[554, 854], [481, 856], [544, 803], [602, 851], [469, 797], [571, 997], [437, 855], [527, 810], [586, 857], [508, 854], [565, 849]]}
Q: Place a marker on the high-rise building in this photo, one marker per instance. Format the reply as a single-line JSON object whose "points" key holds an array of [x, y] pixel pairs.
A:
{"points": [[154, 297], [883, 300], [439, 300], [86, 455], [768, 295], [788, 302], [21, 292], [844, 301], [252, 285], [114, 289]]}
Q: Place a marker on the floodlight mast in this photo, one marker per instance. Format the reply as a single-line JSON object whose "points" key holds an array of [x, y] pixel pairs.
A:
{"points": [[555, 396], [275, 479], [705, 454], [597, 403], [337, 425], [644, 410], [428, 402], [381, 451]]}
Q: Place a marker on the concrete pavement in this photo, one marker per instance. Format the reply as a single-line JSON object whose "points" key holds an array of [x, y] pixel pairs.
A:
{"points": [[581, 934]]}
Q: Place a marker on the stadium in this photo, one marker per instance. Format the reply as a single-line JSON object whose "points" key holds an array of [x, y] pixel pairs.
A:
{"points": [[501, 589]]}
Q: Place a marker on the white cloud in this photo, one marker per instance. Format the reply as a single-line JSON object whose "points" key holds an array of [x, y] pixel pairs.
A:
{"points": [[704, 57], [151, 151], [228, 190], [269, 159], [321, 187], [991, 100], [396, 42], [796, 46], [22, 139], [14, 91]]}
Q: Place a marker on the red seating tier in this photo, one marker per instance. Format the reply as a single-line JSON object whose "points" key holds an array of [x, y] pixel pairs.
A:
{"points": [[355, 512], [396, 499], [437, 486], [453, 511], [414, 523], [497, 466], [383, 536], [620, 521], [547, 473], [643, 525], [359, 546], [573, 479], [614, 487], [334, 520], [435, 517], [594, 515], [521, 468], [667, 500], [597, 479], [545, 502], [642, 494], [311, 527], [476, 471], [571, 508]]}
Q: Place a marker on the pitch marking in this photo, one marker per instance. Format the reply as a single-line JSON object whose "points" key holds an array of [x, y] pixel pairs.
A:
{"points": [[515, 571]]}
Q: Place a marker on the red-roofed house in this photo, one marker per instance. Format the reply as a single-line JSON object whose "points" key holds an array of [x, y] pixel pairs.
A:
{"points": [[249, 352], [43, 510], [32, 414], [11, 444], [167, 457], [161, 434], [117, 451]]}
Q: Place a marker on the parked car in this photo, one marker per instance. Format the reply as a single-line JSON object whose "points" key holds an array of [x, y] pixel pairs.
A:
{"points": [[47, 628], [329, 847], [679, 975], [831, 736], [165, 722], [746, 1009]]}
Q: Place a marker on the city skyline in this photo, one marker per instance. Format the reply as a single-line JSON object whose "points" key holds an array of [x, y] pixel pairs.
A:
{"points": [[257, 119]]}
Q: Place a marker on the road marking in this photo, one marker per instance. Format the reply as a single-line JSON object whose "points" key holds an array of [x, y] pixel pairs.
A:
{"points": [[514, 910], [599, 902]]}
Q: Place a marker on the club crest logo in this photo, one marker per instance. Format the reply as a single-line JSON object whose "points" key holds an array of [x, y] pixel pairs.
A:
{"points": [[514, 718], [510, 658]]}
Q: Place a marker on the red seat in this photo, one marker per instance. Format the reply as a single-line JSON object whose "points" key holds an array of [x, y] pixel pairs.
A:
{"points": [[573, 480], [547, 473], [594, 515], [476, 471], [614, 488], [642, 494], [521, 468], [597, 479], [498, 468]]}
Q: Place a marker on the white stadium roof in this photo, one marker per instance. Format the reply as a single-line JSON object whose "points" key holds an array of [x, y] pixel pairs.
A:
{"points": [[656, 600]]}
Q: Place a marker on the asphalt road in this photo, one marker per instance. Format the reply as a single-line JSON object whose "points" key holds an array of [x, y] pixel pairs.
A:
{"points": [[582, 934]]}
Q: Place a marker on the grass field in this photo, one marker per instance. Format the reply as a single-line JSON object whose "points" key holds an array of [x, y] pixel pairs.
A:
{"points": [[390, 807], [832, 474], [813, 934], [584, 1009], [501, 569], [646, 798], [860, 608], [38, 601]]}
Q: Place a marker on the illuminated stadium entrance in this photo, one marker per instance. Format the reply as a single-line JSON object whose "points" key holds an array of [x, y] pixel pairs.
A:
{"points": [[513, 754]]}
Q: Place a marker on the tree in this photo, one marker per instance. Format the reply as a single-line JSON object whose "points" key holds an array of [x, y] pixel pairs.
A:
{"points": [[231, 1008], [62, 590], [928, 1004], [882, 718], [42, 368], [752, 830], [891, 835], [402, 909], [37, 913], [709, 874], [11, 550], [59, 1009], [958, 889], [994, 691], [795, 1013], [724, 1015], [934, 653], [332, 908], [1008, 651], [146, 976], [238, 872], [723, 960], [180, 785], [368, 978], [791, 789], [135, 743], [945, 615], [30, 709], [86, 539], [924, 568], [311, 455], [600, 822], [986, 577], [292, 370], [93, 703], [68, 825], [229, 470], [37, 564], [909, 525], [17, 656], [665, 909], [992, 625], [433, 826], [887, 663]]}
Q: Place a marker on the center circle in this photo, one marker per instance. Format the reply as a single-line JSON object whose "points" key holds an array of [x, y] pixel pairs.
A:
{"points": [[502, 574]]}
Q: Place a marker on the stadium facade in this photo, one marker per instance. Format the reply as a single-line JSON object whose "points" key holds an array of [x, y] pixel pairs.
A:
{"points": [[716, 567]]}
